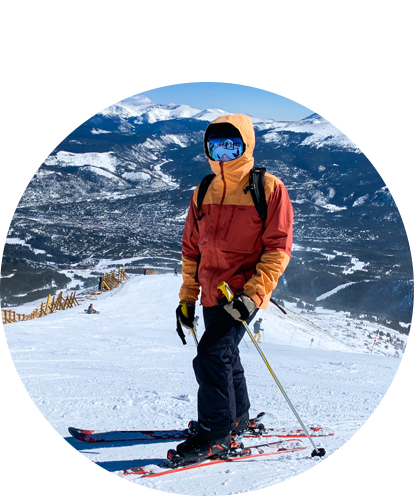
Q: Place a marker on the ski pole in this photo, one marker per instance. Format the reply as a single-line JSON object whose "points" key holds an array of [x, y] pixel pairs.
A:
{"points": [[246, 344], [194, 333], [278, 306], [225, 289], [194, 336]]}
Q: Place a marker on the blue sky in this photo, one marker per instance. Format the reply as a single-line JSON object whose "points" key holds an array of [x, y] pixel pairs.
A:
{"points": [[233, 98]]}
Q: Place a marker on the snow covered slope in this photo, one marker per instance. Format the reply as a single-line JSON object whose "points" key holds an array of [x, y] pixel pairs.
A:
{"points": [[318, 133], [125, 368]]}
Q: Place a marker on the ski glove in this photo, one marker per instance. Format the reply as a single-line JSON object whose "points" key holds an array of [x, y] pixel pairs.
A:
{"points": [[241, 307], [180, 332], [185, 313]]}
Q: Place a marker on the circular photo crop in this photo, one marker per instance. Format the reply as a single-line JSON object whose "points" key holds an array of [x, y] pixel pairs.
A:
{"points": [[207, 282]]}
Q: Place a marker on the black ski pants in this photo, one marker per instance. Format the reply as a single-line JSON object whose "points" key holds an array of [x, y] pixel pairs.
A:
{"points": [[222, 393]]}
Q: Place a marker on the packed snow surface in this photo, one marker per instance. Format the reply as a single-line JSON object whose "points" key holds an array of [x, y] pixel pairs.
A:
{"points": [[126, 368]]}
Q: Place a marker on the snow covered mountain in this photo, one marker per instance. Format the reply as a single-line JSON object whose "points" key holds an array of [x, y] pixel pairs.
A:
{"points": [[81, 372], [146, 111], [119, 187]]}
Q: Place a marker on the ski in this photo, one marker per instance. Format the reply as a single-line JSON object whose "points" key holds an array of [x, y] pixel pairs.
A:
{"points": [[255, 429], [167, 467], [92, 436]]}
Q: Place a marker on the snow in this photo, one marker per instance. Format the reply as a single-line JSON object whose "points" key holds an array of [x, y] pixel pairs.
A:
{"points": [[126, 368], [210, 114], [17, 241], [356, 264], [321, 133], [68, 159], [163, 113], [99, 131], [136, 176], [360, 201], [117, 110], [183, 216], [165, 177], [333, 291], [180, 139], [147, 111], [333, 208], [104, 173]]}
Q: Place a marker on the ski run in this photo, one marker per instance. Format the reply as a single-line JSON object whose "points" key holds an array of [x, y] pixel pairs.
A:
{"points": [[126, 369]]}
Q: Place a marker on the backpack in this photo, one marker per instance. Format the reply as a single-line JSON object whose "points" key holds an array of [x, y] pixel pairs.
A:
{"points": [[256, 188]]}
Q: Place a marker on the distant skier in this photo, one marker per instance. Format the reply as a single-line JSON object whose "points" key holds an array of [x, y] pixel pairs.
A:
{"points": [[226, 241], [90, 309], [176, 272], [257, 329]]}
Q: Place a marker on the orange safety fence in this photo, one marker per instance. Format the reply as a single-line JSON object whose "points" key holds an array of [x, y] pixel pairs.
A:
{"points": [[51, 305], [110, 281]]}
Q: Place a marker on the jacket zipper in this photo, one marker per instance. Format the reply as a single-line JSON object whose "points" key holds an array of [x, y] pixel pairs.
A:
{"points": [[219, 217], [221, 204]]}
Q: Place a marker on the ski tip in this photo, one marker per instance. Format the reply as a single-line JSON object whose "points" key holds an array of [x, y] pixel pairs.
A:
{"points": [[74, 430], [318, 452]]}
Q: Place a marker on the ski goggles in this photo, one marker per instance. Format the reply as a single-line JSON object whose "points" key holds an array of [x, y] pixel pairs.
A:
{"points": [[225, 149]]}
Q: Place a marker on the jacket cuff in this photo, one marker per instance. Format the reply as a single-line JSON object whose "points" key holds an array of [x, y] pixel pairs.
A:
{"points": [[254, 296], [190, 289]]}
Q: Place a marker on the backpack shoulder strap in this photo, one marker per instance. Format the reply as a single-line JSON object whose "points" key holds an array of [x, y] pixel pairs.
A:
{"points": [[202, 190], [256, 186]]}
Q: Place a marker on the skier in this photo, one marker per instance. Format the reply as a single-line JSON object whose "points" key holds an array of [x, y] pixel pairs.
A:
{"points": [[90, 309], [228, 241], [176, 272], [257, 329]]}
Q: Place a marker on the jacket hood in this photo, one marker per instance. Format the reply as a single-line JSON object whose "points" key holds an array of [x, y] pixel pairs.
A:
{"points": [[239, 167]]}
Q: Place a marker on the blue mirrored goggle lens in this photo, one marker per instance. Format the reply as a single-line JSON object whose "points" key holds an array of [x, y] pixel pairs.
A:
{"points": [[225, 149]]}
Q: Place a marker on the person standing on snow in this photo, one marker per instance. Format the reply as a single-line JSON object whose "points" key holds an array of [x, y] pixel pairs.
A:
{"points": [[228, 242], [257, 329]]}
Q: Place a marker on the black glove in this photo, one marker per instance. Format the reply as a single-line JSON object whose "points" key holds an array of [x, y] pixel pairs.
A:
{"points": [[185, 313], [240, 307]]}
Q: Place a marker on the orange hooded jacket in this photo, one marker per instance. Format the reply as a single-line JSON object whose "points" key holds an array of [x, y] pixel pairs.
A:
{"points": [[227, 240]]}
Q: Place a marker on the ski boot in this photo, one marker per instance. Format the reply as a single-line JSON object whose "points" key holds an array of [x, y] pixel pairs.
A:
{"points": [[244, 425], [191, 429], [197, 447]]}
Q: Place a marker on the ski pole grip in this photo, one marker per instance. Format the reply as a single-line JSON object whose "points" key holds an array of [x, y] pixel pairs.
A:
{"points": [[225, 289], [184, 309]]}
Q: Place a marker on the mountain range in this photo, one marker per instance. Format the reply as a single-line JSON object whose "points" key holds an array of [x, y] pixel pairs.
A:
{"points": [[118, 187]]}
